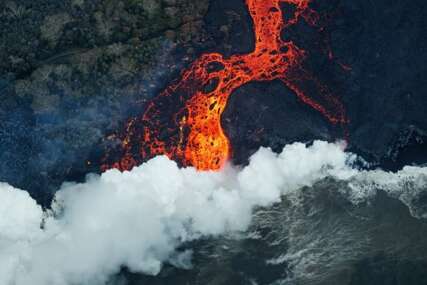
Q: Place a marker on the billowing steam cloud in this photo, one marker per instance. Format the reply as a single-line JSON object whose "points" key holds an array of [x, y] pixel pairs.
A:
{"points": [[137, 219]]}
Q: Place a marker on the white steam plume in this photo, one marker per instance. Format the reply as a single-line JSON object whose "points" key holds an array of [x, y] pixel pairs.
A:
{"points": [[138, 218]]}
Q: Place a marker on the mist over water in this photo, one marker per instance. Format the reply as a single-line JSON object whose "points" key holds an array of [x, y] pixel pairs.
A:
{"points": [[308, 212]]}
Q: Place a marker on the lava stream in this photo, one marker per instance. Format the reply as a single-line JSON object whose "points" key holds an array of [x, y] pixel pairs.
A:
{"points": [[184, 121]]}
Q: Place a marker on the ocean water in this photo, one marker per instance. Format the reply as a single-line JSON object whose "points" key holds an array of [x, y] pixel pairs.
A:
{"points": [[370, 229]]}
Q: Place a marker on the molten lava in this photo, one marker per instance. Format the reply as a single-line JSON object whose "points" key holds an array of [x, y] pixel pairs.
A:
{"points": [[184, 121]]}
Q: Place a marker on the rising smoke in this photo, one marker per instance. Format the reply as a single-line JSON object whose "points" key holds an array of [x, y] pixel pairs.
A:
{"points": [[137, 219]]}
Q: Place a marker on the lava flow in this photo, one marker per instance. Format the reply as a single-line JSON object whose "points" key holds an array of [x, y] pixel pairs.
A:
{"points": [[184, 121]]}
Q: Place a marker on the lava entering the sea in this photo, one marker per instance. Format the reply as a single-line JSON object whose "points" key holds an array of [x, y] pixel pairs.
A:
{"points": [[184, 121]]}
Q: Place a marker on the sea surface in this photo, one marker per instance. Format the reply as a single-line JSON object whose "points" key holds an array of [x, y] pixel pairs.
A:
{"points": [[335, 232]]}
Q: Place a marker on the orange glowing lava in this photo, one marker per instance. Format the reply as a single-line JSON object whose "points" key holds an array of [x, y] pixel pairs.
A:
{"points": [[184, 121]]}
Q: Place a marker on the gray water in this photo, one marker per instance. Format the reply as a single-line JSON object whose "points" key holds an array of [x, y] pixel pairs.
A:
{"points": [[318, 235]]}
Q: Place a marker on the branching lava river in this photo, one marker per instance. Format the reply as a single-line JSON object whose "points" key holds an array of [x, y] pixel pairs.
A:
{"points": [[184, 121]]}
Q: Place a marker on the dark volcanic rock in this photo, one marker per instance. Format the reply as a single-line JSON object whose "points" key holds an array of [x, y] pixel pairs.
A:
{"points": [[230, 27], [278, 119], [385, 93]]}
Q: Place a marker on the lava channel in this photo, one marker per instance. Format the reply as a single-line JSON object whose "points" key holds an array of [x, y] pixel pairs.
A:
{"points": [[184, 121]]}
